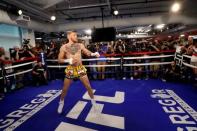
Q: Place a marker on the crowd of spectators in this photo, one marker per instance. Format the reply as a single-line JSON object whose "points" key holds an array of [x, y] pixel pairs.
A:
{"points": [[141, 47], [119, 48]]}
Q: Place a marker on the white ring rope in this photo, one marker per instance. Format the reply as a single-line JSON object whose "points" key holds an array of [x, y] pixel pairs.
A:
{"points": [[141, 64], [94, 59], [145, 64], [101, 59], [192, 66], [56, 66], [147, 57], [126, 58], [62, 66], [15, 66], [186, 64], [102, 65], [113, 65], [20, 65], [22, 72], [187, 56]]}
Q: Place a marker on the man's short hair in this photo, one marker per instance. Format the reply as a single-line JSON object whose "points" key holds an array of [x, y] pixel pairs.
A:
{"points": [[72, 31]]}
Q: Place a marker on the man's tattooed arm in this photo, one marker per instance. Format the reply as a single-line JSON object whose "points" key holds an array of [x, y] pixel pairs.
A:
{"points": [[85, 51]]}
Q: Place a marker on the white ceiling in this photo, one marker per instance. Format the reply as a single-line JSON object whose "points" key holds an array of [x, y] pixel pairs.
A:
{"points": [[83, 14]]}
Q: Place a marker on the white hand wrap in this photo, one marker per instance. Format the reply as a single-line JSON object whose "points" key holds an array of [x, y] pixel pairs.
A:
{"points": [[70, 61], [94, 54]]}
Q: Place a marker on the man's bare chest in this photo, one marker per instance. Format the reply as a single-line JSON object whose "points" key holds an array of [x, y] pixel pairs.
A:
{"points": [[73, 49]]}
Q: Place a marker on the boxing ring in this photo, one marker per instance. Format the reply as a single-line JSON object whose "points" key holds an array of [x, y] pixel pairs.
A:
{"points": [[123, 104]]}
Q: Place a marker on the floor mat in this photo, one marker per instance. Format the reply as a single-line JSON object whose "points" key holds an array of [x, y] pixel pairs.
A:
{"points": [[132, 105]]}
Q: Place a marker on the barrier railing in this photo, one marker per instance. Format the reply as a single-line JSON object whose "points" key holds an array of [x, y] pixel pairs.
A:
{"points": [[110, 58]]}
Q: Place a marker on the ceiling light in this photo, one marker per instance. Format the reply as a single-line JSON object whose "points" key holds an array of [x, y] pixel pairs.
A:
{"points": [[148, 30], [20, 12], [116, 12], [160, 26], [39, 38], [139, 29], [53, 18], [88, 31], [175, 7]]}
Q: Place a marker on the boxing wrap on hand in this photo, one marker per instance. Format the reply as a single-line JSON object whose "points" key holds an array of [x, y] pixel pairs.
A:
{"points": [[70, 61], [95, 54]]}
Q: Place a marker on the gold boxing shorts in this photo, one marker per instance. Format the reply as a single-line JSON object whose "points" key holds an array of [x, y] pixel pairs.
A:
{"points": [[75, 71]]}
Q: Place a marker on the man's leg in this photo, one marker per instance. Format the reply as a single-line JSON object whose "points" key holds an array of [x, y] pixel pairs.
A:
{"points": [[86, 83], [67, 83]]}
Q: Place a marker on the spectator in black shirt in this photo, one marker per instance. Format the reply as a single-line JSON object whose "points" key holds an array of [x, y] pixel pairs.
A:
{"points": [[39, 74], [119, 47], [25, 53], [52, 51], [14, 53]]}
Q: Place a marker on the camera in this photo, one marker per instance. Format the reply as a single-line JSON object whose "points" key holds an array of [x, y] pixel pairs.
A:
{"points": [[26, 41], [26, 44]]}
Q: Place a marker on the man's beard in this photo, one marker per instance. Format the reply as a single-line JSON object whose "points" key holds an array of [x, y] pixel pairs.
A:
{"points": [[74, 40]]}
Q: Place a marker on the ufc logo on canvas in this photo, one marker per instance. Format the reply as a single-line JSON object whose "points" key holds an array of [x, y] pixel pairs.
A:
{"points": [[96, 117]]}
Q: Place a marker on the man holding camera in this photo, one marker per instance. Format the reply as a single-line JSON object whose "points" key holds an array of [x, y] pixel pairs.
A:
{"points": [[39, 74], [25, 53]]}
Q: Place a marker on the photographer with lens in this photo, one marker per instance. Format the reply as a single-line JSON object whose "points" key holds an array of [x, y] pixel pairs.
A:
{"points": [[25, 52], [39, 74], [14, 53]]}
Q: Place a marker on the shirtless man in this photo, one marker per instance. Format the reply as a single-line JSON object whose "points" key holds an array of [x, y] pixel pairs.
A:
{"points": [[71, 53]]}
